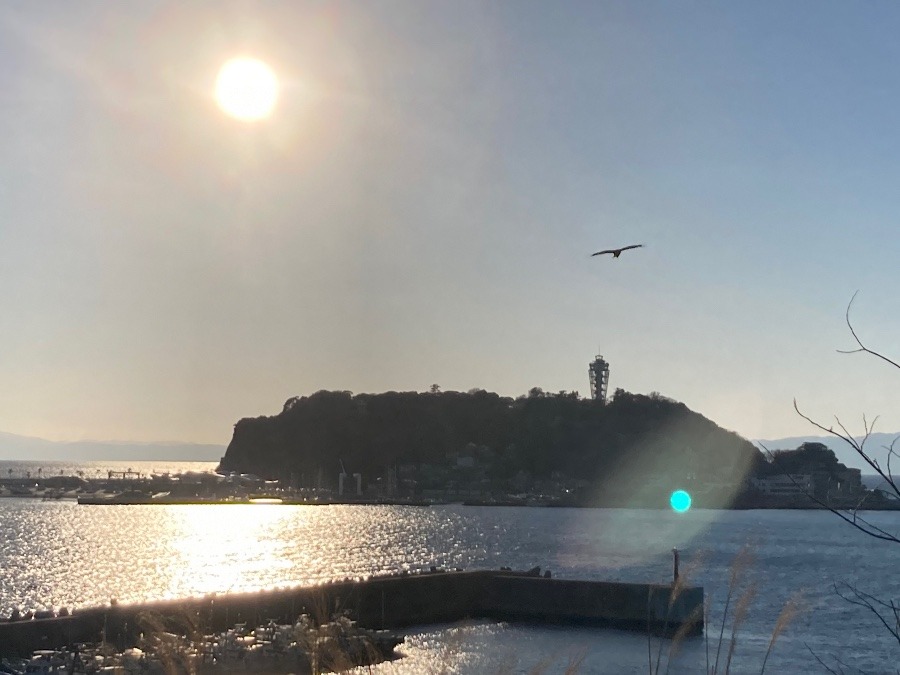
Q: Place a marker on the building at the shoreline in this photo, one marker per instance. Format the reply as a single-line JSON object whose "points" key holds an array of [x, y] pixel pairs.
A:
{"points": [[823, 476], [598, 372], [793, 485]]}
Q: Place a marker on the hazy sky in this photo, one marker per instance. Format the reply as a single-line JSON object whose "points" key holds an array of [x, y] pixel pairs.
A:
{"points": [[421, 206]]}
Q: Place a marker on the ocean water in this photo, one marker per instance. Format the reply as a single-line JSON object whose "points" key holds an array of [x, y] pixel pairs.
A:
{"points": [[99, 468], [55, 554]]}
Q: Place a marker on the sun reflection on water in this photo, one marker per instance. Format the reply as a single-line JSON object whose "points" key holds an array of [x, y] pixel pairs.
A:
{"points": [[61, 554], [216, 550]]}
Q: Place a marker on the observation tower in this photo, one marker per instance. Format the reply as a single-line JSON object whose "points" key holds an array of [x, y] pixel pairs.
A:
{"points": [[598, 371]]}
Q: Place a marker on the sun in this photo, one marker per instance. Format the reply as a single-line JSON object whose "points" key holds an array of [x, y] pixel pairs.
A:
{"points": [[246, 89]]}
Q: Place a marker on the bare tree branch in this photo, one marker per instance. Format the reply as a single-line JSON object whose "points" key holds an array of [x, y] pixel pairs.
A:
{"points": [[862, 347], [870, 602], [850, 516], [889, 477], [888, 613], [857, 446], [822, 663]]}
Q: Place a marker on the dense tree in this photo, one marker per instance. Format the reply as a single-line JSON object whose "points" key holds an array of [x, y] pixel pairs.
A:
{"points": [[808, 454]]}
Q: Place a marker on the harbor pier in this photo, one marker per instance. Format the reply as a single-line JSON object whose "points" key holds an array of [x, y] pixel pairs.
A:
{"points": [[389, 602]]}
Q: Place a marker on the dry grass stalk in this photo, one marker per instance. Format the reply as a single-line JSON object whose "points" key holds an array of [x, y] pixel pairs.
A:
{"points": [[170, 635], [649, 634], [706, 612], [740, 615], [683, 631], [686, 626], [677, 587], [540, 667], [738, 570], [787, 614], [575, 662]]}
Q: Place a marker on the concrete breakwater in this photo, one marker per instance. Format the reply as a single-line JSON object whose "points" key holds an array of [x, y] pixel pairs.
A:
{"points": [[392, 602]]}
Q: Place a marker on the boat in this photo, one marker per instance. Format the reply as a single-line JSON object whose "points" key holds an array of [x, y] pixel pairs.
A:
{"points": [[265, 499], [127, 497], [47, 662]]}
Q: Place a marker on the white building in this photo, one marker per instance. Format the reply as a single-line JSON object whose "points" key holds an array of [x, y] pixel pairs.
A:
{"points": [[785, 485]]}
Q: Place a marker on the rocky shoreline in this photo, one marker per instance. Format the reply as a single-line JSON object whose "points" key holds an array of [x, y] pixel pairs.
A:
{"points": [[303, 647]]}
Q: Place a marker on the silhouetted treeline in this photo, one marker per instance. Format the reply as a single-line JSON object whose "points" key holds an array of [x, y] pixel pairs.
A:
{"points": [[616, 445], [801, 459]]}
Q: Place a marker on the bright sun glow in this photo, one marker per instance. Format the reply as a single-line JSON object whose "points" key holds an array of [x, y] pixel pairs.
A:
{"points": [[246, 89]]}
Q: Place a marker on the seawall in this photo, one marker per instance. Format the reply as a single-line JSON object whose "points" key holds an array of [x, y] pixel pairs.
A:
{"points": [[393, 602]]}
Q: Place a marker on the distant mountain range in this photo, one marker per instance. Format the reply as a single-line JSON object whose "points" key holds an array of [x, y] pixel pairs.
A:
{"points": [[13, 446], [875, 447]]}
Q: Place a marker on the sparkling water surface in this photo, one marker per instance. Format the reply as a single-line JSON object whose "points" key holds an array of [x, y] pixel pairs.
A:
{"points": [[55, 554], [10, 468]]}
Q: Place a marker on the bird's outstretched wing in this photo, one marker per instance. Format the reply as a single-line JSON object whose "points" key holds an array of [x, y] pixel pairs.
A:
{"points": [[616, 251]]}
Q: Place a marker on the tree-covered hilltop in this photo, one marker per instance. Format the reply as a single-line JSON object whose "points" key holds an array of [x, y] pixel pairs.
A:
{"points": [[480, 441]]}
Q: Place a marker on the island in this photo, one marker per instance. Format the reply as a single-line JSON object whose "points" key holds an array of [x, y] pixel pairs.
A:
{"points": [[547, 449]]}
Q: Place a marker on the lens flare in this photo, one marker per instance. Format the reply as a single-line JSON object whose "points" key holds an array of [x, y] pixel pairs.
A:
{"points": [[680, 501]]}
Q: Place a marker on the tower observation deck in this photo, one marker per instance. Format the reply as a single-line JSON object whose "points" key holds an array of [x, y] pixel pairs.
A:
{"points": [[598, 371]]}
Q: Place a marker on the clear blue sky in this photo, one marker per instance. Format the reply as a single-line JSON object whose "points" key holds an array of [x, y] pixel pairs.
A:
{"points": [[421, 205]]}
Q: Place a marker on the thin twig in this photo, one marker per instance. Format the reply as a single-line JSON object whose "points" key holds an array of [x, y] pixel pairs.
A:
{"points": [[849, 516], [870, 602], [821, 662], [862, 347]]}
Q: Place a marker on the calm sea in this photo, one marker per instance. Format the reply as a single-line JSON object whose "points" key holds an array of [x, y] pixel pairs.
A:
{"points": [[97, 469], [55, 554]]}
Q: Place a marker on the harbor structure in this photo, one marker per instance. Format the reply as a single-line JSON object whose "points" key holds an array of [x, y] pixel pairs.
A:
{"points": [[389, 602]]}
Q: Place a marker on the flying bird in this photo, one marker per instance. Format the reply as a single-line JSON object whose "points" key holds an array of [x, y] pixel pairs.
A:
{"points": [[616, 252]]}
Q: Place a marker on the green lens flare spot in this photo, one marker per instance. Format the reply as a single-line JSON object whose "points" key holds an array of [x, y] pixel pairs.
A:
{"points": [[680, 501]]}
